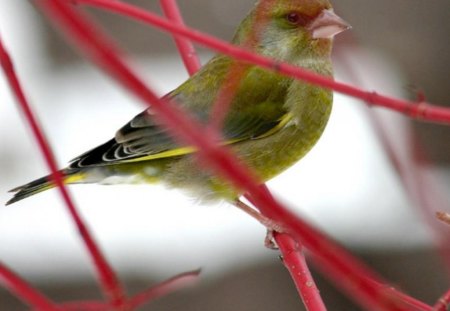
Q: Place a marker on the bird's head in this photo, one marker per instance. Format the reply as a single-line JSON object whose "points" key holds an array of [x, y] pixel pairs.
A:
{"points": [[290, 29]]}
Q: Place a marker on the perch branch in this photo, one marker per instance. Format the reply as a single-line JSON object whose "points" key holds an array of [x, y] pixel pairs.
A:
{"points": [[294, 260]]}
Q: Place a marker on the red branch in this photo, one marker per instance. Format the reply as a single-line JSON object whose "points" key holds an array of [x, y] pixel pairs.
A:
{"points": [[294, 260], [187, 51], [443, 303], [422, 110], [350, 274], [164, 288], [28, 294], [413, 303], [111, 285]]}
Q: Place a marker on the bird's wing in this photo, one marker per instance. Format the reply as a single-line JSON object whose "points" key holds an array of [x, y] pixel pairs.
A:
{"points": [[143, 139]]}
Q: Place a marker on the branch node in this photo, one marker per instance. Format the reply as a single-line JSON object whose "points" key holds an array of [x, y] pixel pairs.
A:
{"points": [[371, 98]]}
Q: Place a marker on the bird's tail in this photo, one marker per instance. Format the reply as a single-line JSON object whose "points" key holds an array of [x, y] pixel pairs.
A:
{"points": [[42, 184]]}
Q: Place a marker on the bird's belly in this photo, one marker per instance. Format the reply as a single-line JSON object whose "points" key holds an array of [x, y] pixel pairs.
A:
{"points": [[143, 173], [267, 157]]}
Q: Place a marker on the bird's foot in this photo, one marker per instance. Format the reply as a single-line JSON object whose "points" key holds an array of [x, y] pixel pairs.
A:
{"points": [[270, 224], [269, 240]]}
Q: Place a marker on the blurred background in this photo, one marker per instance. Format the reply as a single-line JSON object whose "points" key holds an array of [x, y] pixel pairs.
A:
{"points": [[346, 186]]}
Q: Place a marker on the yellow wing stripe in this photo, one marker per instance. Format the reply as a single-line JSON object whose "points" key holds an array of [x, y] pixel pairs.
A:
{"points": [[284, 120], [165, 154], [70, 179]]}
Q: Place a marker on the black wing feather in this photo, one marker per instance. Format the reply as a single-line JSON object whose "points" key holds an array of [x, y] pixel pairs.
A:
{"points": [[143, 137]]}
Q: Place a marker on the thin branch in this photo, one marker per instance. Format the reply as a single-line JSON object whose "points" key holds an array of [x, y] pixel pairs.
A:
{"points": [[421, 111], [226, 93], [238, 69], [24, 291], [184, 45], [110, 284], [443, 303], [292, 257], [294, 260], [164, 288], [414, 304]]}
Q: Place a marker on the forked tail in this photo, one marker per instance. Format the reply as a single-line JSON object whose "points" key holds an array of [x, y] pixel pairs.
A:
{"points": [[42, 184]]}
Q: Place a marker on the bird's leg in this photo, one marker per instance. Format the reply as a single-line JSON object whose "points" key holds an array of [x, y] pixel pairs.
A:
{"points": [[270, 224]]}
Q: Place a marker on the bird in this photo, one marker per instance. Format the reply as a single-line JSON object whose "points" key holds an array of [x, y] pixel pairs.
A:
{"points": [[273, 120]]}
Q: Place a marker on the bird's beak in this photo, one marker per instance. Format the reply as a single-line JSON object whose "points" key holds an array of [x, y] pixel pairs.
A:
{"points": [[327, 25]]}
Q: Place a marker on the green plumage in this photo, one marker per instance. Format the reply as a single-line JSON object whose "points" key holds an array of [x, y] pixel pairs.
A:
{"points": [[273, 120]]}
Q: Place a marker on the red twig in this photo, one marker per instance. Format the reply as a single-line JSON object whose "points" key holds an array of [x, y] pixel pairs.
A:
{"points": [[136, 301], [238, 69], [187, 50], [28, 294], [225, 95], [425, 111], [110, 283], [163, 288], [294, 260], [443, 303], [413, 303], [346, 271]]}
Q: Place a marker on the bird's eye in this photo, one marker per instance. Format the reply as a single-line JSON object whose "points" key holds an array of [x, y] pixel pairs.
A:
{"points": [[295, 18]]}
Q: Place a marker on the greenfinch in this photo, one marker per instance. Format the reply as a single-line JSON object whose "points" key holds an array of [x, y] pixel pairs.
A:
{"points": [[272, 120]]}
